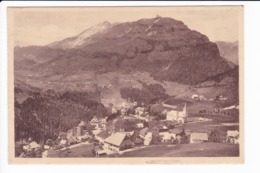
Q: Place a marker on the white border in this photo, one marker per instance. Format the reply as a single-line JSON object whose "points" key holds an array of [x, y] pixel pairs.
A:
{"points": [[252, 88]]}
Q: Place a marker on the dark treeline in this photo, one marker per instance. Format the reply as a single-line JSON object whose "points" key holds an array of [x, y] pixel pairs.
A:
{"points": [[44, 116], [149, 94]]}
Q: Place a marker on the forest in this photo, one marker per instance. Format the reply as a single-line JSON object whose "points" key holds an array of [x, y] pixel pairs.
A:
{"points": [[149, 94], [44, 115]]}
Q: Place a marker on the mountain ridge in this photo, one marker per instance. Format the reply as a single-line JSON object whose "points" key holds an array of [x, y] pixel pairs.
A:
{"points": [[164, 47]]}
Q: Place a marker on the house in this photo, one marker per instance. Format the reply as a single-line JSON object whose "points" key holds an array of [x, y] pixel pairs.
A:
{"points": [[148, 138], [166, 136], [198, 137], [140, 125], [64, 143], [123, 111], [139, 111], [95, 122], [103, 123], [117, 142], [232, 136], [101, 136], [178, 114], [195, 97], [95, 132], [32, 146]]}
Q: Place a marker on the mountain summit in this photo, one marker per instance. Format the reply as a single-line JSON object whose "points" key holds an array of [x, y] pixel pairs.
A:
{"points": [[82, 37]]}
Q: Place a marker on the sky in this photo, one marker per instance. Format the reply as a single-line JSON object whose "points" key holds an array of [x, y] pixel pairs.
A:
{"points": [[41, 26]]}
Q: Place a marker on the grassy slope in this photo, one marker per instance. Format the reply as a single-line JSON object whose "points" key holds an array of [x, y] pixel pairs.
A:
{"points": [[80, 151], [186, 150]]}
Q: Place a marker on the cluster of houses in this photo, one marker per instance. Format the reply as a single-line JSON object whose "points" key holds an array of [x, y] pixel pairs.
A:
{"points": [[222, 111], [133, 128], [202, 97]]}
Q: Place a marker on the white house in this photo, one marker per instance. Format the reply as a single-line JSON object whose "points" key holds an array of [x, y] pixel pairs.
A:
{"points": [[166, 136], [232, 136], [178, 114]]}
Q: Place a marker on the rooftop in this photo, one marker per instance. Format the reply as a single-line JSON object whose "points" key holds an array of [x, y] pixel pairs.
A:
{"points": [[115, 139]]}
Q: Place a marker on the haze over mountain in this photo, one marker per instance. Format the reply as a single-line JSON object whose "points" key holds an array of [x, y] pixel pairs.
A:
{"points": [[158, 49], [229, 50]]}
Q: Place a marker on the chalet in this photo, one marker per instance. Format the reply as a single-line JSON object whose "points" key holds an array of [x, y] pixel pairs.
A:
{"points": [[233, 137], [178, 114], [198, 137], [117, 142]]}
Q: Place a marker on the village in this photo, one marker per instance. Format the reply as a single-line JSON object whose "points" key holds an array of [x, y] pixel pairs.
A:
{"points": [[132, 127]]}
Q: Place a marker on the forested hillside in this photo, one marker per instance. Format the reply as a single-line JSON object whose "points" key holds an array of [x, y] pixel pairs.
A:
{"points": [[45, 115]]}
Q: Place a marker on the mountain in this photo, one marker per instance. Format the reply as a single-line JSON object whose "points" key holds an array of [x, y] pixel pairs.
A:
{"points": [[82, 37], [108, 57], [229, 51], [164, 47]]}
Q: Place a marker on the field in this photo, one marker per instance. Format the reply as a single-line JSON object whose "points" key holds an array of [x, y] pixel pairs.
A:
{"points": [[186, 150], [79, 151]]}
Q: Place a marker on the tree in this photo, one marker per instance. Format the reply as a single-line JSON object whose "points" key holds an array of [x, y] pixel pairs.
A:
{"points": [[214, 136], [49, 142]]}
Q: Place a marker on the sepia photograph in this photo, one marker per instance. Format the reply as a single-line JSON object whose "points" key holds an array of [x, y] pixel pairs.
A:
{"points": [[128, 84]]}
